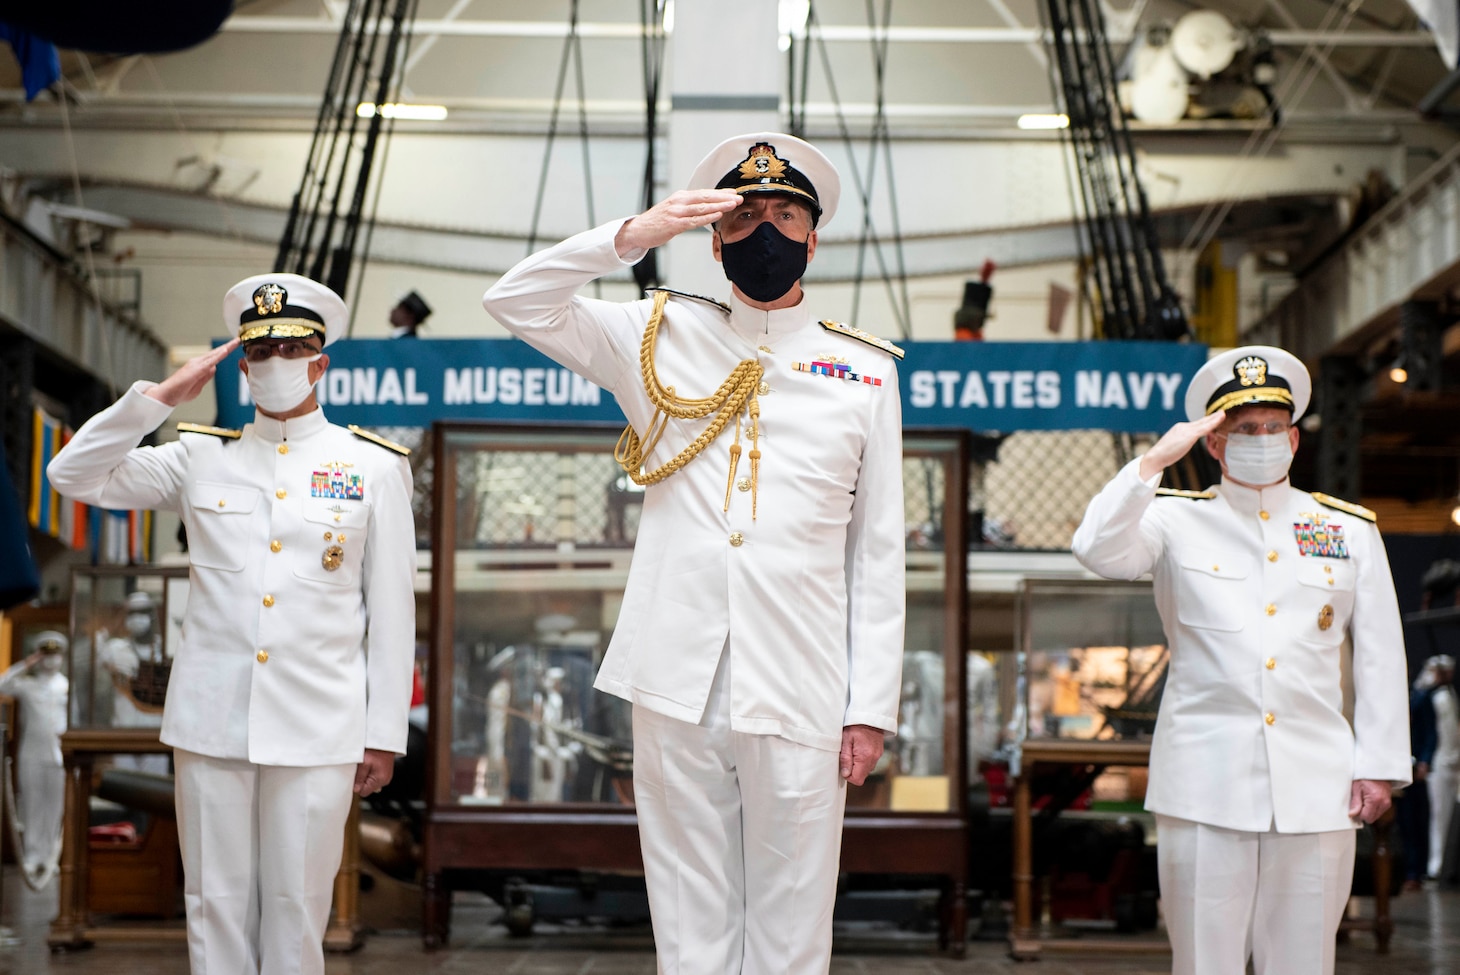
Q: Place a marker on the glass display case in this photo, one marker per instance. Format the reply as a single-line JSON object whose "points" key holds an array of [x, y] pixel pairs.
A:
{"points": [[125, 626], [1091, 666], [532, 533], [1092, 660], [126, 622]]}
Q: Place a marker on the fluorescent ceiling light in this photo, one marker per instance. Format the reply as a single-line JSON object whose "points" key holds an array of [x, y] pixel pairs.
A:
{"points": [[1044, 121], [416, 113]]}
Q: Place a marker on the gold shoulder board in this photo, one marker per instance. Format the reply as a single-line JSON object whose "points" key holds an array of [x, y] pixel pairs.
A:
{"points": [[1338, 504], [685, 294], [861, 336], [1194, 495], [378, 440], [223, 432]]}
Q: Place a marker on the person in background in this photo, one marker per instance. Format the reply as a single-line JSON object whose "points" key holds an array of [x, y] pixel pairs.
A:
{"points": [[292, 683], [1443, 779], [40, 687], [1257, 778], [1413, 807], [409, 316]]}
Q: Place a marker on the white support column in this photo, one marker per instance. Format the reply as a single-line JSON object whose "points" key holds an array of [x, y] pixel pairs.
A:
{"points": [[726, 77]]}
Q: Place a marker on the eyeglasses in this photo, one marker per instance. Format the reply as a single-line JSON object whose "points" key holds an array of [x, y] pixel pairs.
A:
{"points": [[1250, 429], [288, 349]]}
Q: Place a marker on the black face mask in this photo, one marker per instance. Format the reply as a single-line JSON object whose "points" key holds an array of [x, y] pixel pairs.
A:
{"points": [[764, 265]]}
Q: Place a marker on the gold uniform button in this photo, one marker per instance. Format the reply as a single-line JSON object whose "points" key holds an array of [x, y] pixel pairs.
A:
{"points": [[262, 656], [281, 493], [1270, 718], [222, 503], [1271, 609], [283, 448], [1271, 663], [743, 484], [737, 539], [1328, 569], [327, 536], [268, 600], [340, 537], [275, 545], [764, 388], [1330, 581], [1272, 556], [1263, 515], [1216, 568]]}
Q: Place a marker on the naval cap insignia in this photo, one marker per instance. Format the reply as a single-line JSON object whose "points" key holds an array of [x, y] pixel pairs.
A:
{"points": [[1251, 371], [269, 299], [763, 163]]}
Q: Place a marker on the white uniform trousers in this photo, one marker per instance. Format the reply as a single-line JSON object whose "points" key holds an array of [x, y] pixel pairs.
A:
{"points": [[1442, 783], [742, 840], [1229, 894], [260, 846]]}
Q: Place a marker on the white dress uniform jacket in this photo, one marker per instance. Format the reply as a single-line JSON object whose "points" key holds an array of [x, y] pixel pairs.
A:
{"points": [[1258, 591], [283, 661], [813, 582]]}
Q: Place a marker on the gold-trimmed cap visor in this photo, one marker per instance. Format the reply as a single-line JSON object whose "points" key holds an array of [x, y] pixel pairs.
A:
{"points": [[1272, 396], [282, 328]]}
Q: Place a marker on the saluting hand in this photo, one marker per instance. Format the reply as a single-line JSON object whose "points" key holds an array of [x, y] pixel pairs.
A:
{"points": [[185, 384], [672, 216], [1175, 443], [861, 748]]}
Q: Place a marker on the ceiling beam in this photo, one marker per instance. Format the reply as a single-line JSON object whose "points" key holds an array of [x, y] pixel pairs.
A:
{"points": [[625, 30]]}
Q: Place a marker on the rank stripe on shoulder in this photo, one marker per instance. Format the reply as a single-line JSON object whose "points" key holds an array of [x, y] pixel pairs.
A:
{"points": [[852, 332], [223, 432], [378, 440], [1193, 495], [685, 294], [1338, 504]]}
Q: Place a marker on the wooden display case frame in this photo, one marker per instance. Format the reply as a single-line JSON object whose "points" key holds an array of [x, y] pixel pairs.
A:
{"points": [[598, 837]]}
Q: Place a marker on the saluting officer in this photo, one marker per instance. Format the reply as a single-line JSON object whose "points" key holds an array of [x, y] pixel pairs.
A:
{"points": [[293, 680], [760, 638], [1258, 780]]}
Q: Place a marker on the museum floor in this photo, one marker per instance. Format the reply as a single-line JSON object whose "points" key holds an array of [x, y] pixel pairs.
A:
{"points": [[1426, 942]]}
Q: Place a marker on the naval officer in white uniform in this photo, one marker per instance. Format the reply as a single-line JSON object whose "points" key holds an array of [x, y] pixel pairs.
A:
{"points": [[760, 638], [1257, 777], [293, 681]]}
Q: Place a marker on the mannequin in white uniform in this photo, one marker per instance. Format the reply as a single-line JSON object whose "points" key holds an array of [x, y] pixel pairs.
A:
{"points": [[1444, 775], [291, 687], [124, 658], [1257, 777], [40, 688], [760, 638]]}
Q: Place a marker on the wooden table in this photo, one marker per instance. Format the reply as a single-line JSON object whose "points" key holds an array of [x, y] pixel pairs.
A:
{"points": [[1025, 941], [74, 926]]}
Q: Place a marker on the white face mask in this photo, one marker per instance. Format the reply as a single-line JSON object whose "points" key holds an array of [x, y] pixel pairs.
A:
{"points": [[278, 384], [1258, 460], [49, 663], [400, 331], [139, 624]]}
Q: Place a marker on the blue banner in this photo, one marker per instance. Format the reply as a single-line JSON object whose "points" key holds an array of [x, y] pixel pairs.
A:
{"points": [[1128, 387]]}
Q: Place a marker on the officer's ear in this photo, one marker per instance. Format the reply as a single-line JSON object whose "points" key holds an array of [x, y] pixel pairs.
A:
{"points": [[243, 365], [317, 367], [715, 240]]}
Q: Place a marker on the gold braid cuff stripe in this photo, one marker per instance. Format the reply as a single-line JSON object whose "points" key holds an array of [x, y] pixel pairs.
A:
{"points": [[734, 396]]}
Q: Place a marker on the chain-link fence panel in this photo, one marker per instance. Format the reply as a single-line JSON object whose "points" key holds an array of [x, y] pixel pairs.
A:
{"points": [[546, 498], [1036, 491]]}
